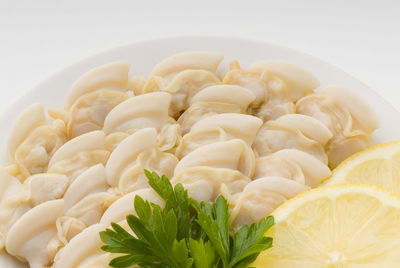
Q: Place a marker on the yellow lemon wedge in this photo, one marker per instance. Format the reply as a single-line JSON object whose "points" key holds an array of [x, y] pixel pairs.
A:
{"points": [[350, 225], [378, 165]]}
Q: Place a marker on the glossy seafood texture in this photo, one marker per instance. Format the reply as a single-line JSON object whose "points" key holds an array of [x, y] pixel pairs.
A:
{"points": [[293, 151], [86, 156], [85, 201], [13, 203], [94, 95], [17, 198], [84, 250], [259, 136], [215, 100], [278, 177], [219, 127], [276, 85], [78, 154], [183, 75], [123, 206], [290, 158], [145, 111], [209, 168], [34, 139], [293, 131], [137, 152], [299, 81], [346, 115], [148, 110], [34, 236]]}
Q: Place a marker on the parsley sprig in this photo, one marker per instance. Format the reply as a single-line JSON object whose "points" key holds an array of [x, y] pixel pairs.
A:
{"points": [[183, 234]]}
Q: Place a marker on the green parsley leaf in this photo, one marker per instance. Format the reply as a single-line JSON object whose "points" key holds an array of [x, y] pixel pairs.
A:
{"points": [[248, 242], [176, 199], [221, 212], [214, 221], [183, 234], [203, 253]]}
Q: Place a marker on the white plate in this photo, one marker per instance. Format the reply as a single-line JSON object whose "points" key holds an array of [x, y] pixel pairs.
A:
{"points": [[144, 55]]}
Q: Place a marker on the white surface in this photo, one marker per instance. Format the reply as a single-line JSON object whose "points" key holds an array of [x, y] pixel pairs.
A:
{"points": [[39, 37], [144, 55]]}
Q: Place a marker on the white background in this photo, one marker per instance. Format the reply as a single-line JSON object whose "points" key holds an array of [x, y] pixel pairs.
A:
{"points": [[40, 37]]}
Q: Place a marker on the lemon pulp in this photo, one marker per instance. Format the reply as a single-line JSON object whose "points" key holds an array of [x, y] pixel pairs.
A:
{"points": [[337, 226]]}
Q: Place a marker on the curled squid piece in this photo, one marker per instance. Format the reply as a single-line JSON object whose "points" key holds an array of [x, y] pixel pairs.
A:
{"points": [[219, 127], [84, 250], [364, 117], [329, 112], [16, 198], [228, 94], [31, 118], [182, 87], [110, 77], [9, 186], [89, 111], [149, 110], [34, 153], [215, 100], [233, 154], [299, 81], [90, 209], [135, 153], [124, 206], [273, 98], [10, 208], [183, 75], [91, 181], [125, 154], [347, 116], [196, 139], [87, 198], [356, 136], [94, 95], [78, 154], [188, 61], [145, 111], [206, 171], [305, 135], [241, 126], [292, 164], [309, 126], [150, 159], [260, 197], [205, 183], [340, 148], [45, 187], [33, 141], [33, 237]]}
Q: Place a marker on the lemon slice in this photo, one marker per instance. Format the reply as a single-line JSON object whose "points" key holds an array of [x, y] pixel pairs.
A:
{"points": [[378, 165], [337, 226]]}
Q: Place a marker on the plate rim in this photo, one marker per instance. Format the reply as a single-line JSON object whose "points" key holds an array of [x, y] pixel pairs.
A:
{"points": [[178, 37], [102, 53]]}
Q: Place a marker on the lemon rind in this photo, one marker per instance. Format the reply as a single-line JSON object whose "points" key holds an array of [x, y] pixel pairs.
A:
{"points": [[383, 150], [384, 196]]}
